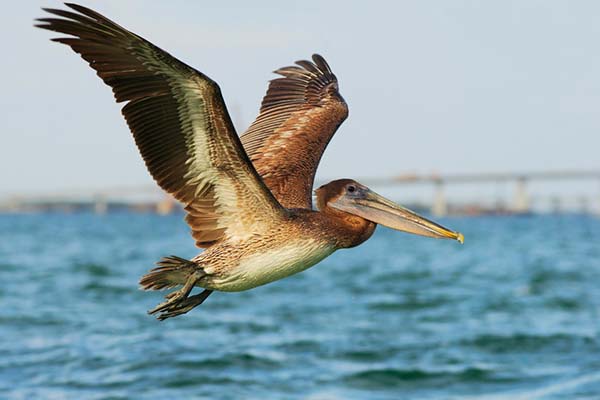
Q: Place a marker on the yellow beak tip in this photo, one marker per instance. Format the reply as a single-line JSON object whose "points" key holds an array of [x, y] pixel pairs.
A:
{"points": [[460, 238]]}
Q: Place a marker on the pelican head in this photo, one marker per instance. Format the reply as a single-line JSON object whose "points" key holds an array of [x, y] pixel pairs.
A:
{"points": [[349, 196]]}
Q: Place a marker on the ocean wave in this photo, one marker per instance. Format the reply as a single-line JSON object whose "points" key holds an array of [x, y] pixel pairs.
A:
{"points": [[529, 342], [386, 378], [242, 360]]}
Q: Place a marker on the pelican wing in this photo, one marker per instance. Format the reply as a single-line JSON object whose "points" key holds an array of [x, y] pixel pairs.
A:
{"points": [[180, 124], [298, 117]]}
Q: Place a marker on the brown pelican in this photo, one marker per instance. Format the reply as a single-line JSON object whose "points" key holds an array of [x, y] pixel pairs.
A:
{"points": [[248, 201]]}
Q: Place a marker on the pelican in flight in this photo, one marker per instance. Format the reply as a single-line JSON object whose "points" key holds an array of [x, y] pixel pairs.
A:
{"points": [[248, 199]]}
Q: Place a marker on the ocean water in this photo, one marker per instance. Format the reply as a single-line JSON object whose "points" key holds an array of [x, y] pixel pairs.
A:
{"points": [[514, 313]]}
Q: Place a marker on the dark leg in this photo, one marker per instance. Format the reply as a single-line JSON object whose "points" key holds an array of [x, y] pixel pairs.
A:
{"points": [[179, 295], [184, 305]]}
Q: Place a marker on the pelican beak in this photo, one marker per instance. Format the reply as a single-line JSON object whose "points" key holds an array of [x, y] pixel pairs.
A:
{"points": [[373, 207]]}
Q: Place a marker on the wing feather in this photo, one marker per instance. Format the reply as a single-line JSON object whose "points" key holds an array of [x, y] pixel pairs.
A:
{"points": [[180, 125], [298, 117]]}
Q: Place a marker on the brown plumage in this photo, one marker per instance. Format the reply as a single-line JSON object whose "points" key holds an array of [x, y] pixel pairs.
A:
{"points": [[298, 117], [180, 124], [248, 201]]}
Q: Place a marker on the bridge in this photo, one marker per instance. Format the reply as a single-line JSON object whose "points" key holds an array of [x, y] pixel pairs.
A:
{"points": [[521, 200], [135, 197], [151, 198]]}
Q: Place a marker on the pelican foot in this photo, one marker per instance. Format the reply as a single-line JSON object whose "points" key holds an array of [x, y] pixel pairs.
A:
{"points": [[184, 305], [177, 296]]}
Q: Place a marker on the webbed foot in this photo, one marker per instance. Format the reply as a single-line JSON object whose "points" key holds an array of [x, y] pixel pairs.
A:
{"points": [[174, 299], [183, 306]]}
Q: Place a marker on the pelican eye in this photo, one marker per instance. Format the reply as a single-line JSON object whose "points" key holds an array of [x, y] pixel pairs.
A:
{"points": [[351, 189]]}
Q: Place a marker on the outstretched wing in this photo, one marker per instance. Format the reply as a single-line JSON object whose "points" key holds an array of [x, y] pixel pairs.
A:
{"points": [[298, 117], [180, 124]]}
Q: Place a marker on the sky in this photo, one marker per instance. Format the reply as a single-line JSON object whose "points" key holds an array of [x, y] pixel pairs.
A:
{"points": [[432, 86]]}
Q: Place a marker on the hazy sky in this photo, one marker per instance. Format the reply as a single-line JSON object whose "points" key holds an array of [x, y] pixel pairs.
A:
{"points": [[432, 86]]}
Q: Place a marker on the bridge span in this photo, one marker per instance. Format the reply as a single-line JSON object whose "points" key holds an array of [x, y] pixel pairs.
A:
{"points": [[521, 199]]}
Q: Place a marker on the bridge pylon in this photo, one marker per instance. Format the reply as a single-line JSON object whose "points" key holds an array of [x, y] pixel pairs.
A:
{"points": [[440, 206], [521, 199]]}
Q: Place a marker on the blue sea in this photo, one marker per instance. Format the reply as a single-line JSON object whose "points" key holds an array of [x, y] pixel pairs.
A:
{"points": [[514, 313]]}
